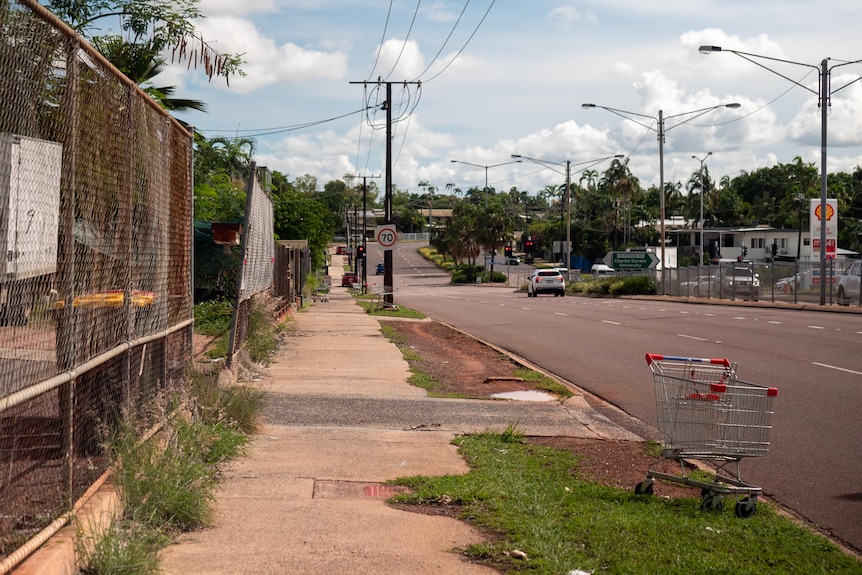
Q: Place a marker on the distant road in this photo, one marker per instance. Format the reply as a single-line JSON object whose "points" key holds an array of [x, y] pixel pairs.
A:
{"points": [[814, 466]]}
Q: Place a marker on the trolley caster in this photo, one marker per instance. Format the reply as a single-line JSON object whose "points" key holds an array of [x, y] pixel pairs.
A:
{"points": [[746, 507], [712, 502], [644, 488]]}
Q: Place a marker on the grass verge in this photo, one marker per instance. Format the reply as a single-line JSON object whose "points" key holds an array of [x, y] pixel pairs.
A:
{"points": [[418, 377], [367, 302], [549, 521]]}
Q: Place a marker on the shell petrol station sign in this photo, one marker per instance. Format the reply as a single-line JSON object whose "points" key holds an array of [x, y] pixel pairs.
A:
{"points": [[830, 220]]}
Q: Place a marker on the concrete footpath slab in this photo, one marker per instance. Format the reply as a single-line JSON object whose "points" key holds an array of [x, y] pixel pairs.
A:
{"points": [[310, 496]]}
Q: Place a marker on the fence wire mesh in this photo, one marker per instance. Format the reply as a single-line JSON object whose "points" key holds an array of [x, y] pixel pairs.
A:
{"points": [[95, 295], [259, 246]]}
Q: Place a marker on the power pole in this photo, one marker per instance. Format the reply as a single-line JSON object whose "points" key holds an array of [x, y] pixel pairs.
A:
{"points": [[387, 202]]}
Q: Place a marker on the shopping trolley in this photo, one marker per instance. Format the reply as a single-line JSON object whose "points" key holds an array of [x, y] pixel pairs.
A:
{"points": [[705, 412]]}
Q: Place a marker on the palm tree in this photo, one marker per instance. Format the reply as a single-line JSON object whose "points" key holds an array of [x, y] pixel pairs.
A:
{"points": [[140, 63], [591, 177]]}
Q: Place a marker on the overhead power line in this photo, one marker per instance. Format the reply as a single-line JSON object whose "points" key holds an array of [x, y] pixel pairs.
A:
{"points": [[282, 129]]}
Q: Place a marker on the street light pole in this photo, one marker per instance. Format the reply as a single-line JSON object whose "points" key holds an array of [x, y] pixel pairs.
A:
{"points": [[702, 192], [568, 165], [568, 251], [660, 131], [486, 172], [824, 97]]}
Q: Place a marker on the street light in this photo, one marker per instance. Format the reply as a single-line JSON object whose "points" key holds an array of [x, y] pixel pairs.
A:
{"points": [[568, 166], [702, 192], [486, 172], [660, 132], [823, 97]]}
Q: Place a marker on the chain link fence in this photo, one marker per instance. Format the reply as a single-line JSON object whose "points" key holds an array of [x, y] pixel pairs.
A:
{"points": [[95, 289], [257, 259], [777, 281]]}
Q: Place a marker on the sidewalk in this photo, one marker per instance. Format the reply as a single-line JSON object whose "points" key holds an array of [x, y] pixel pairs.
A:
{"points": [[310, 496]]}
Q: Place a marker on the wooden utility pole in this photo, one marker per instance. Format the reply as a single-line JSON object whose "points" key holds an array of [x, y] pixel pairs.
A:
{"points": [[387, 201]]}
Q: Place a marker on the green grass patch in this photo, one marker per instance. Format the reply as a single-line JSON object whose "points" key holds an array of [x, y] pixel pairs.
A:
{"points": [[403, 312], [418, 377], [262, 342], [127, 548], [534, 499], [213, 317], [544, 382]]}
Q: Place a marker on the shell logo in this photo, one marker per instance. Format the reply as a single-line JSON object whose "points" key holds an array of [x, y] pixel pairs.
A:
{"points": [[830, 212]]}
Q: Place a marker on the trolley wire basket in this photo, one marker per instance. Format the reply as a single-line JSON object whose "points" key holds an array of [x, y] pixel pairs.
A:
{"points": [[705, 412]]}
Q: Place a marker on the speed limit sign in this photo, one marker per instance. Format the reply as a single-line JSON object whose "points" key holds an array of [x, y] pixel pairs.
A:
{"points": [[386, 236]]}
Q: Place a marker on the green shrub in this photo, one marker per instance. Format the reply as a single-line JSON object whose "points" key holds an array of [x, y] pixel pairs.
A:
{"points": [[633, 285], [615, 286], [213, 317], [465, 273]]}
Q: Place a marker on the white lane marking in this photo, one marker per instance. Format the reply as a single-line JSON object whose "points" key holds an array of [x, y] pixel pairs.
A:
{"points": [[684, 312], [691, 337], [527, 308], [709, 314], [774, 322], [826, 365], [558, 313], [816, 327], [738, 317], [611, 322]]}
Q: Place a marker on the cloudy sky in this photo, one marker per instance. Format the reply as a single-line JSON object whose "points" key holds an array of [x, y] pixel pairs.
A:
{"points": [[503, 77]]}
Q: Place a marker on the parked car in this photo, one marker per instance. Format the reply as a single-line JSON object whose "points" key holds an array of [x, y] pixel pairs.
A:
{"points": [[348, 279], [849, 284], [340, 250], [792, 283], [741, 282], [381, 268], [701, 286], [514, 261], [602, 270], [546, 281]]}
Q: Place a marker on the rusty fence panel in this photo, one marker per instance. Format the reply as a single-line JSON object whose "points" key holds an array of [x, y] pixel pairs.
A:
{"points": [[95, 239]]}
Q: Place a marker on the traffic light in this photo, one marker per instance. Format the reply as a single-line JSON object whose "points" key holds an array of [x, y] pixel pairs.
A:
{"points": [[774, 249], [360, 252], [744, 251], [528, 245], [508, 251]]}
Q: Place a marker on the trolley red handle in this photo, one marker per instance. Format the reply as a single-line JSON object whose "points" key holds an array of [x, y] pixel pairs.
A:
{"points": [[651, 357]]}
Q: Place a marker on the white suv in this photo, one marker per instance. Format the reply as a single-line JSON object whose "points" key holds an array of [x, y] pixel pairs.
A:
{"points": [[546, 281], [849, 284]]}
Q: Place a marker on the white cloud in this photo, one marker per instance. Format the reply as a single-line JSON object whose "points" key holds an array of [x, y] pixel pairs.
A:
{"points": [[212, 8], [266, 62], [400, 59], [565, 17]]}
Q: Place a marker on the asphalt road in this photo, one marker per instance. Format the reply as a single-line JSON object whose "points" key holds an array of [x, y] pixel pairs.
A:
{"points": [[814, 358]]}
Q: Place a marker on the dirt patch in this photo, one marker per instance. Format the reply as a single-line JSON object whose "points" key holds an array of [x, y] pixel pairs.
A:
{"points": [[459, 363], [464, 366]]}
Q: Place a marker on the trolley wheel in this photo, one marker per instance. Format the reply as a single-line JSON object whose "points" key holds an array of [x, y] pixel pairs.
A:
{"points": [[746, 507], [644, 488], [712, 502]]}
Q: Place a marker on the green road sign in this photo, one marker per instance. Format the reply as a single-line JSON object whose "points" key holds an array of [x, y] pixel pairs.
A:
{"points": [[626, 261]]}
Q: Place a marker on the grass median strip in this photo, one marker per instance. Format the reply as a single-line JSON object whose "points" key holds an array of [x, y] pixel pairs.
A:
{"points": [[548, 520]]}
